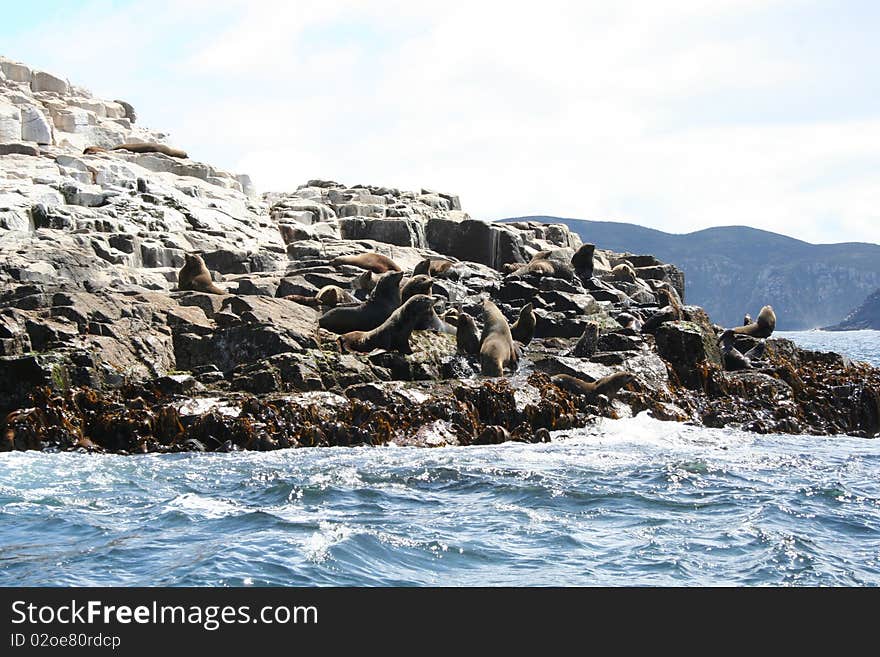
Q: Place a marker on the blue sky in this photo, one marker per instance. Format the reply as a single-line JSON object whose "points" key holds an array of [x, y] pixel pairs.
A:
{"points": [[677, 115]]}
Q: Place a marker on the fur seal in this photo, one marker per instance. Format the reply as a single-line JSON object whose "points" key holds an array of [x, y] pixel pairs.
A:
{"points": [[623, 272], [139, 147], [418, 284], [582, 261], [523, 330], [497, 350], [588, 343], [329, 295], [374, 262], [393, 333], [433, 267], [608, 386], [194, 275], [628, 320], [544, 267], [466, 338], [762, 327], [384, 300], [670, 311]]}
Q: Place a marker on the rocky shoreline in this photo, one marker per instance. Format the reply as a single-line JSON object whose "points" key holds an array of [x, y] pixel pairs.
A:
{"points": [[100, 350]]}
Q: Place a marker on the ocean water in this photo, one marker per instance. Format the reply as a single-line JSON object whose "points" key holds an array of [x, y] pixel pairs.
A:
{"points": [[625, 502]]}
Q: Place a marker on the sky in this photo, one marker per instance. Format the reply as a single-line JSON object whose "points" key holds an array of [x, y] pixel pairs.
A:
{"points": [[678, 115]]}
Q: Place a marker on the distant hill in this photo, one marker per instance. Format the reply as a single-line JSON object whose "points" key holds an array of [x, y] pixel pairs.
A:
{"points": [[736, 269], [866, 316]]}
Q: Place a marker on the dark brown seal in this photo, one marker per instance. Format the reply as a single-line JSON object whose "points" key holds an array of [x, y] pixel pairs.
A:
{"points": [[374, 262], [139, 147], [393, 333], [523, 330], [194, 275], [419, 284], [466, 338], [383, 300], [582, 261], [329, 295], [497, 350], [608, 386]]}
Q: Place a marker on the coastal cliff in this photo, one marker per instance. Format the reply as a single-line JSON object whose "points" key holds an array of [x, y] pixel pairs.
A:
{"points": [[865, 316], [100, 350]]}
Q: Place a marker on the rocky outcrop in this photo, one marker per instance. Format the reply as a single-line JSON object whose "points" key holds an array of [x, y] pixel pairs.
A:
{"points": [[100, 351], [866, 316]]}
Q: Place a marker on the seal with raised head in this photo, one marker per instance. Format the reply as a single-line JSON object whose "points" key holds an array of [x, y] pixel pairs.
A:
{"points": [[497, 350], [762, 327], [523, 329], [139, 147], [466, 338], [374, 262], [418, 284], [392, 334], [608, 386], [194, 275], [582, 261], [384, 300]]}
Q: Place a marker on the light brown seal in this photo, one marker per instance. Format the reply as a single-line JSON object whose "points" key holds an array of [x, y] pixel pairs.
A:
{"points": [[419, 284], [523, 329], [623, 272], [394, 332], [497, 350], [374, 262], [608, 386], [383, 300], [194, 275], [433, 267], [139, 147], [762, 327]]}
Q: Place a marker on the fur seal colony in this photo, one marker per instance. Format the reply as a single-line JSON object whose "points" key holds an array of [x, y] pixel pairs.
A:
{"points": [[383, 300], [194, 275], [139, 147]]}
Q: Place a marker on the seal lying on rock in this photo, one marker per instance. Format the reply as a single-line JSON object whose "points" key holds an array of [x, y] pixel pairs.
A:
{"points": [[544, 267], [383, 301], [623, 272], [140, 147], [418, 284], [329, 295], [374, 262], [497, 350], [608, 386], [523, 330], [394, 332], [433, 267], [194, 275], [466, 338]]}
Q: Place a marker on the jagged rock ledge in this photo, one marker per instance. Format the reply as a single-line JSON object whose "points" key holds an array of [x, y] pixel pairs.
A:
{"points": [[99, 351]]}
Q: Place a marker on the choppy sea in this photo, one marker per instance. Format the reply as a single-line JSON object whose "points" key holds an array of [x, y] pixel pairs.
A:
{"points": [[626, 502]]}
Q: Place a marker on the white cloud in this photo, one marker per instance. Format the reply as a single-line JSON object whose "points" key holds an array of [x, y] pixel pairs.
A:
{"points": [[597, 110]]}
